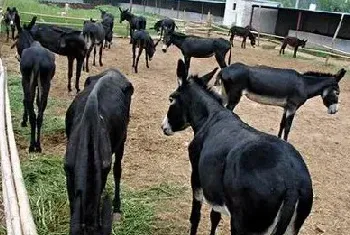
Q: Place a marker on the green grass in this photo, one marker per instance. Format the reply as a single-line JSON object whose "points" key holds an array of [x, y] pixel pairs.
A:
{"points": [[35, 7], [45, 181]]}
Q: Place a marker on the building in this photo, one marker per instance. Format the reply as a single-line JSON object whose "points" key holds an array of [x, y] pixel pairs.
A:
{"points": [[191, 10], [238, 12]]}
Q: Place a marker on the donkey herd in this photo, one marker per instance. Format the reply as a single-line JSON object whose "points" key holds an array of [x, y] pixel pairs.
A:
{"points": [[259, 180]]}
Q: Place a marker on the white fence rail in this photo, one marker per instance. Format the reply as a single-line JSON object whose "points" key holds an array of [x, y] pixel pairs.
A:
{"points": [[19, 218]]}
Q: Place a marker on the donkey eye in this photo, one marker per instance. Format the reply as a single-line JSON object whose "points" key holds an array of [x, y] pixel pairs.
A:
{"points": [[171, 100]]}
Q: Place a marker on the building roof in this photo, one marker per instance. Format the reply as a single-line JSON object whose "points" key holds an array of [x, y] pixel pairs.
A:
{"points": [[301, 10], [209, 1]]}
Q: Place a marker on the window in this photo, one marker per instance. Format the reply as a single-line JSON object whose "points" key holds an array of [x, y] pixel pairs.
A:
{"points": [[234, 6]]}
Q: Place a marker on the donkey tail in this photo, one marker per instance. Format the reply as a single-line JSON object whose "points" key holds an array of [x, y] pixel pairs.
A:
{"points": [[229, 58], [289, 207]]}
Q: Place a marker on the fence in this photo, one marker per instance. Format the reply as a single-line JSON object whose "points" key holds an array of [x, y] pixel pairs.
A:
{"points": [[19, 219]]}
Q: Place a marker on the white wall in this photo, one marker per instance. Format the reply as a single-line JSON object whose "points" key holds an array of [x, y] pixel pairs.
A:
{"points": [[314, 39]]}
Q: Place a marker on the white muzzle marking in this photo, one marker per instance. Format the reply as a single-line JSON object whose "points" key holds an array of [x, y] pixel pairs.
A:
{"points": [[11, 22], [166, 127], [333, 108]]}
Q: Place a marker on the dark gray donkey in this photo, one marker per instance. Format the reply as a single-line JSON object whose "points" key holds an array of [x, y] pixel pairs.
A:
{"points": [[108, 24], [198, 47], [142, 40], [37, 66], [94, 34], [10, 19], [279, 87], [259, 181], [135, 22]]}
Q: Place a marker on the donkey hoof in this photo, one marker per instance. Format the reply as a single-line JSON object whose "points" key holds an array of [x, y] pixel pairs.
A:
{"points": [[117, 217], [31, 149], [24, 124], [38, 149]]}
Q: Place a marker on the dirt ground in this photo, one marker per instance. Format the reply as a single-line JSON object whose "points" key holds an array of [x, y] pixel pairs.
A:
{"points": [[152, 158]]}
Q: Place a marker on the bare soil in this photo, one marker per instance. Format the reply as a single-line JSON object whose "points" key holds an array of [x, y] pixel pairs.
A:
{"points": [[152, 158]]}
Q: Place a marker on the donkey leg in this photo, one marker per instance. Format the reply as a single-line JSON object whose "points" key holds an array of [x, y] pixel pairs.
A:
{"points": [[43, 94], [70, 72], [117, 172], [138, 58], [147, 65], [80, 62], [7, 33], [29, 94], [187, 63], [94, 62], [130, 35], [13, 33], [295, 52], [87, 59], [289, 119], [100, 54], [282, 124], [25, 115], [197, 195], [220, 58], [133, 54], [215, 218]]}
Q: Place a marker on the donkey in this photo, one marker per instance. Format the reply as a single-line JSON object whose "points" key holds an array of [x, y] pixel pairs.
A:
{"points": [[10, 19], [142, 40], [94, 34], [37, 66], [244, 33], [165, 26], [198, 47], [135, 22], [108, 24], [279, 87], [293, 42], [63, 41], [239, 171], [96, 128]]}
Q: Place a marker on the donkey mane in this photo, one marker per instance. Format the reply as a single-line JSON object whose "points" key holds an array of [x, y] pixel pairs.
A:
{"points": [[197, 80], [319, 74]]}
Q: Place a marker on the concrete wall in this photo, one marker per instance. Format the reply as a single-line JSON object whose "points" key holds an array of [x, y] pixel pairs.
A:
{"points": [[340, 44], [265, 21], [241, 16], [189, 16]]}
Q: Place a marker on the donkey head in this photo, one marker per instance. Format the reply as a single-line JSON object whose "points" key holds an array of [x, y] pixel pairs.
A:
{"points": [[24, 38], [330, 95], [124, 15], [302, 43], [151, 49], [10, 16], [167, 41], [177, 118]]}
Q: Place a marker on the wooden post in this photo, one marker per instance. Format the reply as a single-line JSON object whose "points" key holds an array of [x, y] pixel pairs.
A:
{"points": [[202, 11], [178, 9], [335, 35], [251, 17], [209, 23], [27, 221], [298, 24], [259, 28], [130, 3]]}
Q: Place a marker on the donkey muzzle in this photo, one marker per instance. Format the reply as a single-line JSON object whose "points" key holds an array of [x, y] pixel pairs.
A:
{"points": [[164, 48], [333, 109]]}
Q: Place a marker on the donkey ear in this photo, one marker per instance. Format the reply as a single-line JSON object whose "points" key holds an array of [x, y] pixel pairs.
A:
{"points": [[32, 23], [120, 9], [206, 78], [340, 74], [181, 72]]}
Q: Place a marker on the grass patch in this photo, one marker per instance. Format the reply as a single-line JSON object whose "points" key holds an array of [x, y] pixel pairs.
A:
{"points": [[52, 123], [45, 180], [51, 9]]}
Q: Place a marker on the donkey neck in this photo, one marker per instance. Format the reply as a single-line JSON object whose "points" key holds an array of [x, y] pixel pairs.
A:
{"points": [[129, 16], [178, 40], [201, 107], [316, 85]]}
